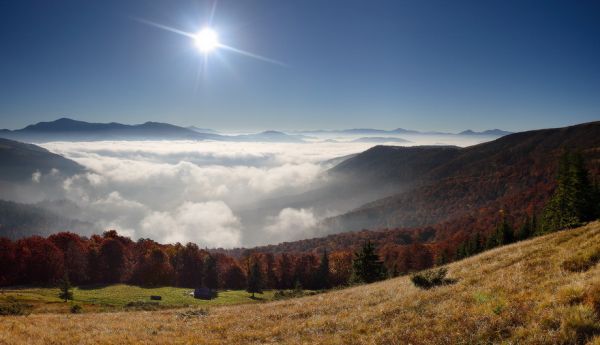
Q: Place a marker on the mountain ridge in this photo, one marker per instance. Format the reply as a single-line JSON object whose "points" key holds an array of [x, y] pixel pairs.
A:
{"points": [[513, 167], [74, 130], [65, 128], [374, 131], [20, 160]]}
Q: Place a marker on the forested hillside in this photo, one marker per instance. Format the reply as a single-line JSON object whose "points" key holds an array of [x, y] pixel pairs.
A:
{"points": [[23, 220], [19, 161], [464, 191]]}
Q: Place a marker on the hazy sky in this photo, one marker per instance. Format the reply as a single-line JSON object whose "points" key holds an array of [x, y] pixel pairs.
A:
{"points": [[429, 65]]}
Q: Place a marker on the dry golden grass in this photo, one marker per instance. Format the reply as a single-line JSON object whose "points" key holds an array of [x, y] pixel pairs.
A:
{"points": [[517, 294]]}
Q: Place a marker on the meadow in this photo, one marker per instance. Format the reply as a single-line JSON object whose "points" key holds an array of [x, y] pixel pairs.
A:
{"points": [[524, 293], [121, 297]]}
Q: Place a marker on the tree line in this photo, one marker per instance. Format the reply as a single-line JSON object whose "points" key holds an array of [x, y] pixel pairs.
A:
{"points": [[111, 258]]}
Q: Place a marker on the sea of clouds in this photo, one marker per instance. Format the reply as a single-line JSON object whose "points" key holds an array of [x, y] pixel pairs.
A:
{"points": [[217, 194]]}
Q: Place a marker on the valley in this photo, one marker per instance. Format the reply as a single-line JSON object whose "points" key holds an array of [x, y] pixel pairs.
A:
{"points": [[339, 172]]}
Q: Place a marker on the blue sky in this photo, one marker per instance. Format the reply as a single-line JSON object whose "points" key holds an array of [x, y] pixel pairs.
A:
{"points": [[428, 65]]}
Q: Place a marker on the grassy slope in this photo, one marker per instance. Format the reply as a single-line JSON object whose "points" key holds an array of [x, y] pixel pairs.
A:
{"points": [[115, 297], [517, 294]]}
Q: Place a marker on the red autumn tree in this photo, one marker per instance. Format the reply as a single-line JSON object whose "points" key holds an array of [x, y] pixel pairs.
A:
{"points": [[39, 261], [75, 255], [153, 268], [340, 265], [234, 277], [285, 269], [8, 262], [113, 261], [188, 264]]}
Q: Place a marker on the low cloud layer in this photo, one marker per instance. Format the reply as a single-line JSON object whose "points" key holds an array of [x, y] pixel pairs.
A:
{"points": [[191, 191], [213, 193], [293, 224], [212, 223]]}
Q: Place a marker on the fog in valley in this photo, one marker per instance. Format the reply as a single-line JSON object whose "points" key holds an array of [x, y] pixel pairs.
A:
{"points": [[217, 194]]}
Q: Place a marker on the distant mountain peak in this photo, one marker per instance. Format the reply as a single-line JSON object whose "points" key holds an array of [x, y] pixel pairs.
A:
{"points": [[63, 123], [65, 119], [202, 130], [158, 125], [272, 132], [494, 132], [380, 140], [402, 130]]}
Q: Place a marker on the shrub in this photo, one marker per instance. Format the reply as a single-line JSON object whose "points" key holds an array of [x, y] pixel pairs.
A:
{"points": [[76, 309], [431, 278], [14, 307], [582, 261]]}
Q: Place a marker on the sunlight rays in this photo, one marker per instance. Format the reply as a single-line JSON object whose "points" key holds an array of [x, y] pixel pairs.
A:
{"points": [[252, 55], [207, 43]]}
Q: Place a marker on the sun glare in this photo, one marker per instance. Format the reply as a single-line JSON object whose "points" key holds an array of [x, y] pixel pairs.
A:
{"points": [[207, 40]]}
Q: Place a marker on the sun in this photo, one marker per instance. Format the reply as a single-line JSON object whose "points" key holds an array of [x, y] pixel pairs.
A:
{"points": [[207, 40]]}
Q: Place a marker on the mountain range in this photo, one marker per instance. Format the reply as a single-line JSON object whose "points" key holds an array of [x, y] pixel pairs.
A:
{"points": [[65, 129], [380, 140], [372, 131]]}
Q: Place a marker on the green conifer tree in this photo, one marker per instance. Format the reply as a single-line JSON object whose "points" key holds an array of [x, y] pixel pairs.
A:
{"points": [[393, 272], [504, 233], [366, 266], [525, 229], [255, 280], [210, 272], [65, 288], [573, 201], [321, 279]]}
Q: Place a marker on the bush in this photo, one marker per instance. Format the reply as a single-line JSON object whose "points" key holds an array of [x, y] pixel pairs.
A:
{"points": [[431, 278], [14, 307], [582, 261], [76, 309]]}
